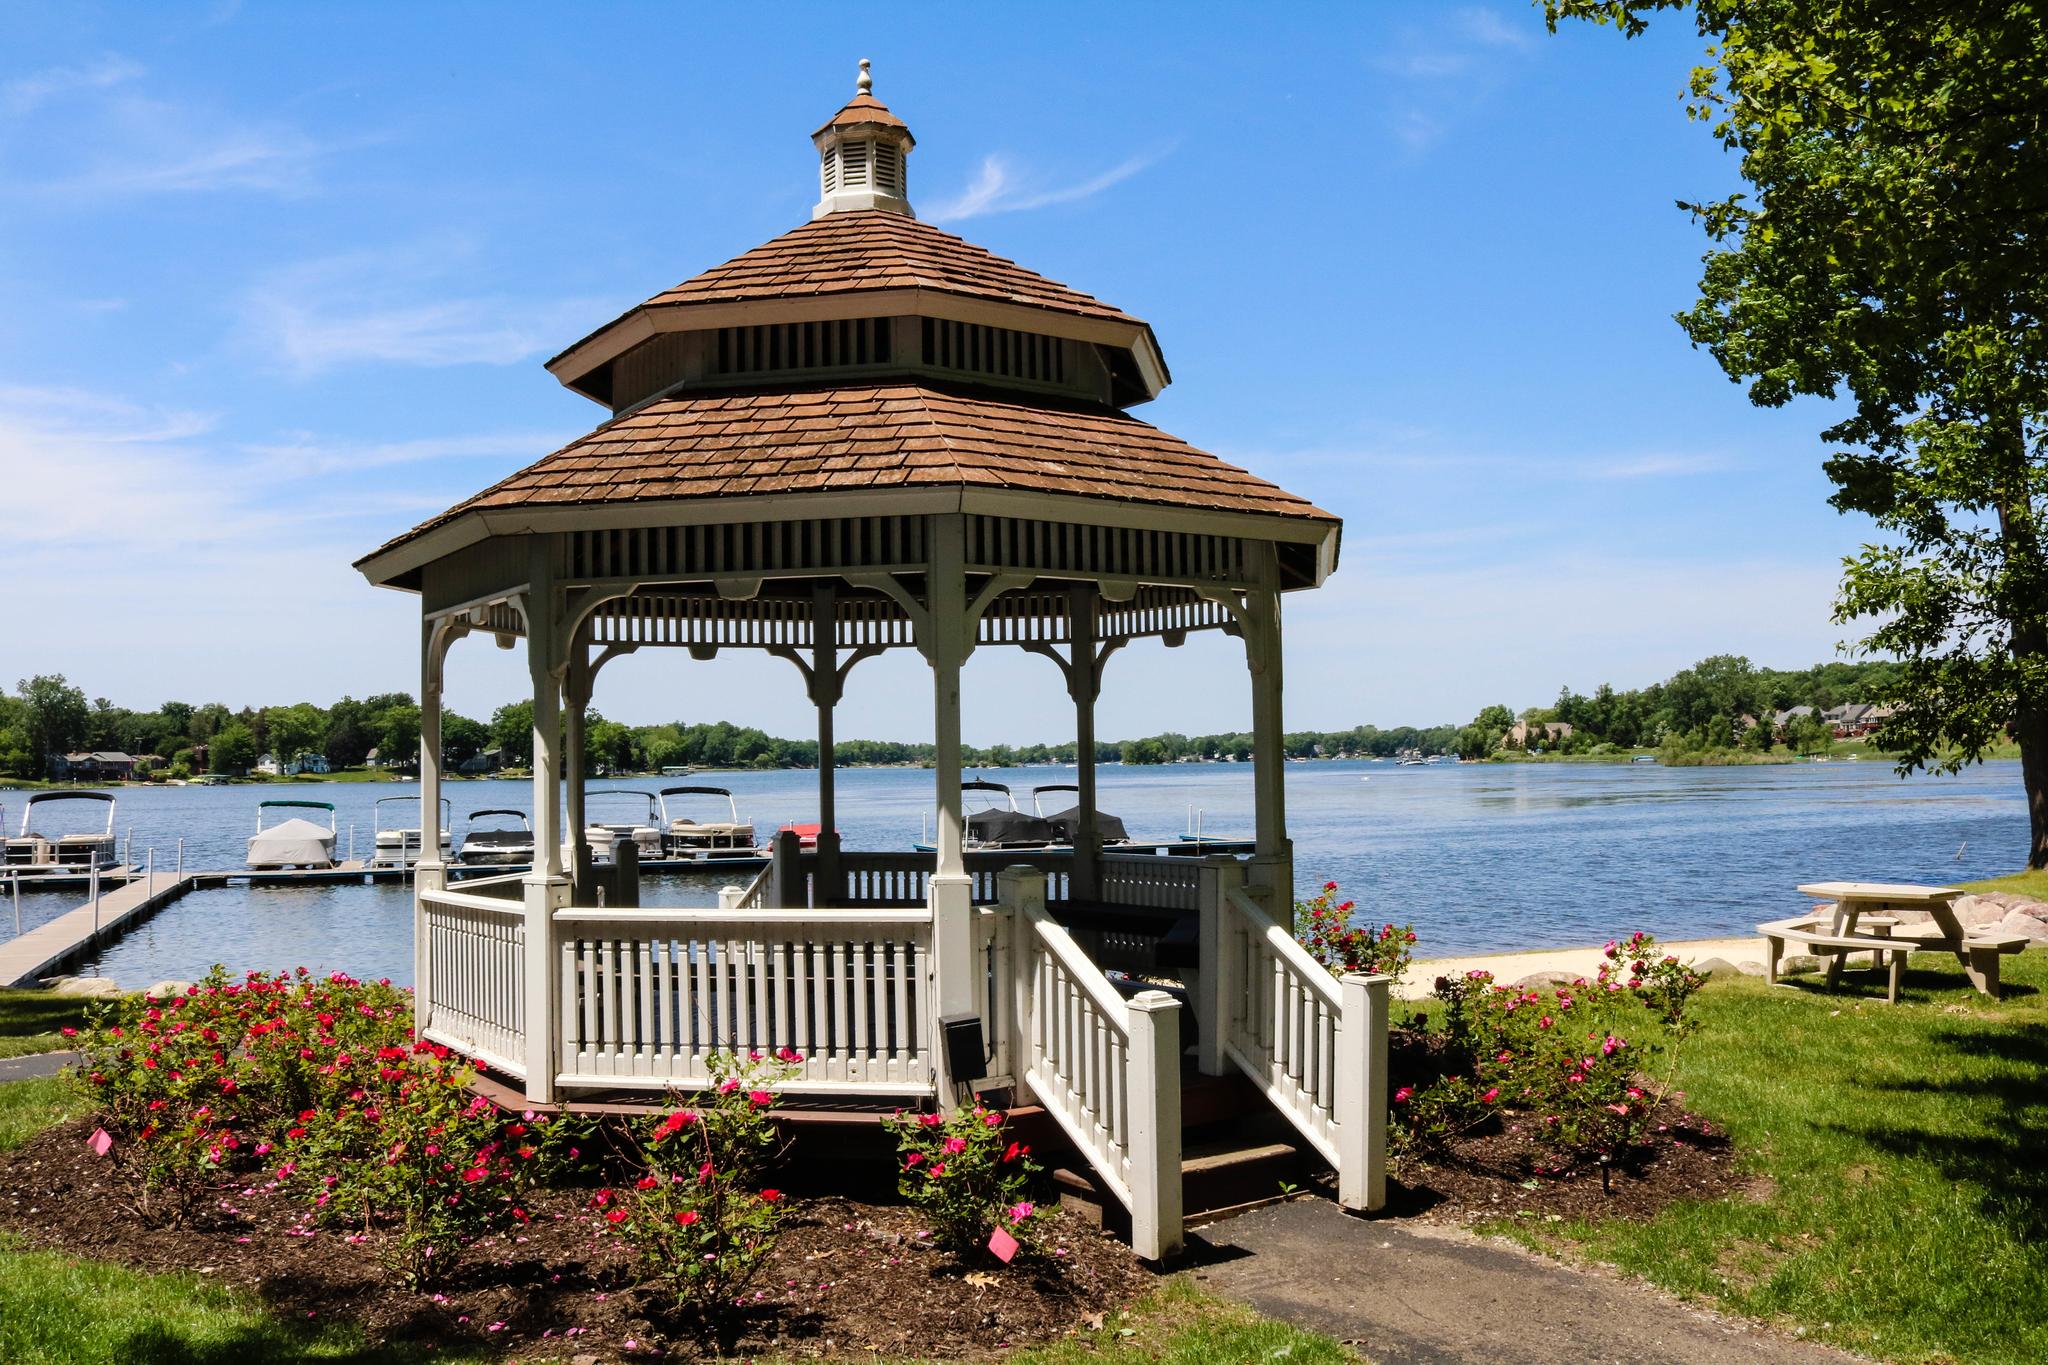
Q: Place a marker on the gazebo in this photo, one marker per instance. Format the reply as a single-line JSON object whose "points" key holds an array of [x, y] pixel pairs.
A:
{"points": [[865, 435]]}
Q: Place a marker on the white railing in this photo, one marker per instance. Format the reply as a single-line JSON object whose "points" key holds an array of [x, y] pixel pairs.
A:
{"points": [[755, 895], [502, 885], [902, 879], [472, 997], [1317, 1045], [648, 995], [1152, 880], [1107, 1071]]}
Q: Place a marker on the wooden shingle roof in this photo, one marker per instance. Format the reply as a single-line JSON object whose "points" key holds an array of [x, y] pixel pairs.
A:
{"points": [[878, 436], [842, 253], [861, 109]]}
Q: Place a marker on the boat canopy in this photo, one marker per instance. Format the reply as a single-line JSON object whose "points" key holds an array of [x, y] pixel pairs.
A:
{"points": [[377, 810], [40, 797], [518, 815], [294, 843]]}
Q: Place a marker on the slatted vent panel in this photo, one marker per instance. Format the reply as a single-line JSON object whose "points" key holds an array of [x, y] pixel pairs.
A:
{"points": [[830, 169], [1106, 551], [670, 553], [853, 165], [994, 350], [782, 346], [888, 169]]}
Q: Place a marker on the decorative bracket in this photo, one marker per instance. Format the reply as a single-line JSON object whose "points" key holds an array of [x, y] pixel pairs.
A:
{"points": [[829, 690], [1046, 649]]}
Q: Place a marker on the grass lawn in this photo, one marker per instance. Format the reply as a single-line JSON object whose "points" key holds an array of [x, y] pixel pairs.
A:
{"points": [[29, 1020], [1905, 1212], [2034, 884]]}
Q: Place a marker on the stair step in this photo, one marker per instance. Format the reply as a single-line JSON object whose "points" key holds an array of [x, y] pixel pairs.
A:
{"points": [[1219, 1157]]}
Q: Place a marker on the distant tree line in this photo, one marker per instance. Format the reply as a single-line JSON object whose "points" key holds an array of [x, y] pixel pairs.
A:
{"points": [[1720, 704], [1712, 705]]}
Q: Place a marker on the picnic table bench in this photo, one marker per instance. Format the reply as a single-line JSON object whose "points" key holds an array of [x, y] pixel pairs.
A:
{"points": [[1874, 907]]}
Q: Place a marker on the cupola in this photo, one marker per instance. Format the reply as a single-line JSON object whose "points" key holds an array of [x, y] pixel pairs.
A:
{"points": [[863, 151]]}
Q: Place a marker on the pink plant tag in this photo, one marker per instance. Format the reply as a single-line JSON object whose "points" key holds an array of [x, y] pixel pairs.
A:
{"points": [[1003, 1245], [102, 1142]]}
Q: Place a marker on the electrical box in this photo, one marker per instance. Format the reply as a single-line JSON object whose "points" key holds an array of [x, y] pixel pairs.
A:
{"points": [[966, 1058]]}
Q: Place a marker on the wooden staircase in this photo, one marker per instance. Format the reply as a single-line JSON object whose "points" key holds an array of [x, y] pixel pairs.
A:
{"points": [[1236, 1153]]}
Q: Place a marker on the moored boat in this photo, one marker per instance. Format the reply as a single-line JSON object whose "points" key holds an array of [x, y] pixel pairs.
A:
{"points": [[397, 845], [33, 851], [503, 847], [684, 837], [293, 842], [645, 831]]}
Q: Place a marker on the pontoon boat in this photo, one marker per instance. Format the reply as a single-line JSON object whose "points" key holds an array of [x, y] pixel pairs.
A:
{"points": [[399, 846], [1066, 822], [32, 852], [646, 831], [683, 837]]}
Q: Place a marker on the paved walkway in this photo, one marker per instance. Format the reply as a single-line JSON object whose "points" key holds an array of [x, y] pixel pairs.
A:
{"points": [[38, 1065], [1417, 1294]]}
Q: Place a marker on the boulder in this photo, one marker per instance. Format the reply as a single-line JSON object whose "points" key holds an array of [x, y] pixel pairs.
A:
{"points": [[1545, 981], [1975, 911], [168, 988], [1800, 962], [83, 985], [1715, 966], [2021, 924]]}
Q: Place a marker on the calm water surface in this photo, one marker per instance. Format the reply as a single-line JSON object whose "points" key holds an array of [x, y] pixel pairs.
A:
{"points": [[1477, 857]]}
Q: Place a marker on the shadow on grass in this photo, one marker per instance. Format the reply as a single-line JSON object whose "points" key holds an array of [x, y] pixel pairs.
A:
{"points": [[248, 1345], [1917, 986], [2006, 1161]]}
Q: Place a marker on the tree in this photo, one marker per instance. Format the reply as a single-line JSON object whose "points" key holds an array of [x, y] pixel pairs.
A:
{"points": [[1893, 250], [233, 749], [512, 732], [462, 739], [295, 729], [56, 717]]}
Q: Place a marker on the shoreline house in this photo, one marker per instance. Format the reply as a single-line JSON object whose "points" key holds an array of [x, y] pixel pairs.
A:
{"points": [[98, 766], [1522, 733], [870, 435], [306, 762]]}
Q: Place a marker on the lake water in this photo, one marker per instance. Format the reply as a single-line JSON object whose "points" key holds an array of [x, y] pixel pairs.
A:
{"points": [[1477, 856]]}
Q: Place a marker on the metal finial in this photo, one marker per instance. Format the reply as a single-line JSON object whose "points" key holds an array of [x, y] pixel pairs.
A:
{"points": [[866, 84]]}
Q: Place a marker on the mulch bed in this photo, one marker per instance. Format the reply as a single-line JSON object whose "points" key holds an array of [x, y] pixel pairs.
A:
{"points": [[1509, 1172], [847, 1276]]}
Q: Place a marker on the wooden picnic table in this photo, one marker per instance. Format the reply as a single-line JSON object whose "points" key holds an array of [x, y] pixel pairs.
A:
{"points": [[1855, 902]]}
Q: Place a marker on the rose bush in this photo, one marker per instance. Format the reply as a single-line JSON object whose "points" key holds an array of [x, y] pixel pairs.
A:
{"points": [[1575, 1060], [969, 1176], [1323, 925], [696, 1212], [197, 1085]]}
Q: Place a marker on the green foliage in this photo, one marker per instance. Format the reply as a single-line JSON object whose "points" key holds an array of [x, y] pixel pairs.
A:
{"points": [[697, 1215], [1891, 254], [968, 1176], [233, 749], [53, 718]]}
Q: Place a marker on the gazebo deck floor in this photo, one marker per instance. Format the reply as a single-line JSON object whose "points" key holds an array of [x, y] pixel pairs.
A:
{"points": [[796, 1109]]}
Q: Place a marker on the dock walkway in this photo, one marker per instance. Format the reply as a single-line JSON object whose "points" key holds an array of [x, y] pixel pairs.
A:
{"points": [[45, 949]]}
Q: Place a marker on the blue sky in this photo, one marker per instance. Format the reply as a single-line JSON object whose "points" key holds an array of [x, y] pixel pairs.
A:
{"points": [[279, 283]]}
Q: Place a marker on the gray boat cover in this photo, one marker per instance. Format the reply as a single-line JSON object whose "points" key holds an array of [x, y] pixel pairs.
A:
{"points": [[1066, 823], [295, 843], [997, 827]]}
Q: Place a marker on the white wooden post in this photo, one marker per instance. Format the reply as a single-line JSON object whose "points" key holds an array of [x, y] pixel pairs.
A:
{"points": [[1154, 1079], [430, 875], [545, 888], [1084, 684], [1021, 893], [824, 687], [1272, 873], [574, 779], [1361, 1100], [950, 893], [729, 897], [1214, 990]]}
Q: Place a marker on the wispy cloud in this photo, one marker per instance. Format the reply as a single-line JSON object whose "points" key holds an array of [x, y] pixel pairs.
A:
{"points": [[1490, 28], [106, 137], [1439, 69], [24, 94], [394, 307], [1000, 186], [1525, 466], [310, 455]]}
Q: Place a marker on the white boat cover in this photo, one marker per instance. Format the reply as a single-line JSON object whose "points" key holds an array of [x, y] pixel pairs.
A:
{"points": [[295, 843]]}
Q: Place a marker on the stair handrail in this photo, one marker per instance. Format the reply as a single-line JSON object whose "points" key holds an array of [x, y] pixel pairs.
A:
{"points": [[1325, 1067], [1107, 1070]]}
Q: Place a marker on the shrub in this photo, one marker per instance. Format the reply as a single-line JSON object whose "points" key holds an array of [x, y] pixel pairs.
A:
{"points": [[196, 1084], [968, 1176], [1324, 927], [1573, 1059], [695, 1215], [398, 1143]]}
